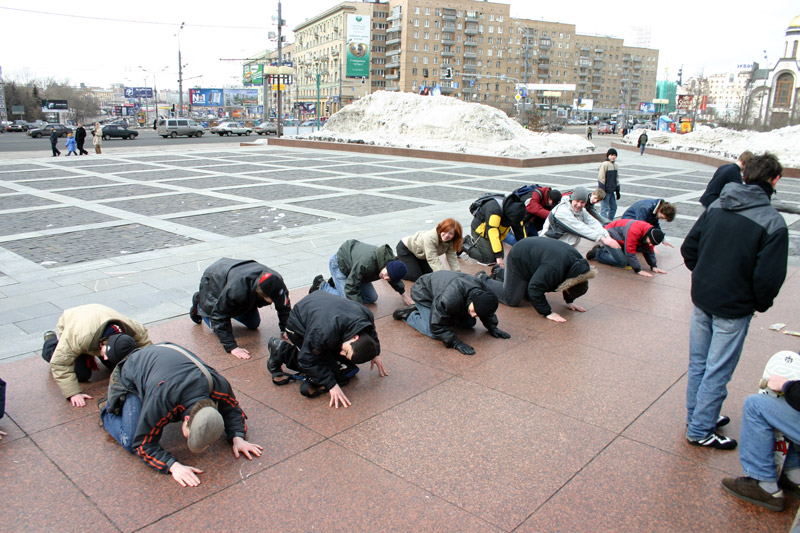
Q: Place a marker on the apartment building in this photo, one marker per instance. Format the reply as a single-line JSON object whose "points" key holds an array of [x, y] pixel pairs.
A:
{"points": [[472, 50]]}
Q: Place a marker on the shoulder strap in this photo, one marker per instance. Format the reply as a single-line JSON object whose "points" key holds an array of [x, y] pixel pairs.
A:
{"points": [[194, 360]]}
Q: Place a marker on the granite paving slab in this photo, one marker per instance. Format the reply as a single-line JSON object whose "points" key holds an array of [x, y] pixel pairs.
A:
{"points": [[359, 184], [442, 193], [278, 191], [47, 218], [170, 203], [679, 184], [359, 204], [292, 174], [359, 169], [20, 200], [121, 190], [6, 168], [83, 181], [189, 163], [212, 182], [163, 174], [37, 174], [249, 221], [424, 176]]}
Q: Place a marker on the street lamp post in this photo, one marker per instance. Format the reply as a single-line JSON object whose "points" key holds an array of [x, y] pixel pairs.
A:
{"points": [[180, 74], [155, 90], [282, 74], [316, 71]]}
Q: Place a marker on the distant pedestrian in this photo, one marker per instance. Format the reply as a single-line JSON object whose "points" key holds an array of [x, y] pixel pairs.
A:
{"points": [[72, 147], [642, 142], [80, 138], [608, 181], [589, 132], [97, 140], [155, 124], [54, 143]]}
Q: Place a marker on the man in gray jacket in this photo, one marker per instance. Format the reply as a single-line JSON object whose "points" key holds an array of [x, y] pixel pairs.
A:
{"points": [[569, 222]]}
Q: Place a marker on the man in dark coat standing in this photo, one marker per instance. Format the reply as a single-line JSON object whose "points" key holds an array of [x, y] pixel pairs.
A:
{"points": [[444, 300], [737, 251], [235, 289], [164, 383], [80, 138], [731, 173], [538, 265], [329, 336]]}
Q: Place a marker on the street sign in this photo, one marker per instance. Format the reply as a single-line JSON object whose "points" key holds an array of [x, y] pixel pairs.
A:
{"points": [[517, 97], [54, 105]]}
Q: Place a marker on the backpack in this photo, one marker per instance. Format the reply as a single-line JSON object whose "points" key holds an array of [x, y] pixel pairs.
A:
{"points": [[475, 206], [526, 190]]}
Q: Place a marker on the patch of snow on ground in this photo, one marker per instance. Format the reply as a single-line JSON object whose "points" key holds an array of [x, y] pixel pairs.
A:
{"points": [[722, 142], [441, 123]]}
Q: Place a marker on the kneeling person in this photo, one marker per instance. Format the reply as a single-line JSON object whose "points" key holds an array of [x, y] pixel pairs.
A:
{"points": [[165, 383], [329, 336], [537, 265], [443, 300], [632, 236]]}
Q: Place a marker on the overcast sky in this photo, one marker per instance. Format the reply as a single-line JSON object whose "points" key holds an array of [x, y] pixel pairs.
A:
{"points": [[103, 42]]}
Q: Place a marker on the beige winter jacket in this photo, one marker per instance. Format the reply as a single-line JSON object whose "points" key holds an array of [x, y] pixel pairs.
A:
{"points": [[426, 245], [79, 330]]}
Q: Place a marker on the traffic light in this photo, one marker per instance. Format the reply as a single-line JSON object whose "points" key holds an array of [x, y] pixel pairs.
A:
{"points": [[424, 73], [327, 108], [680, 76], [448, 73]]}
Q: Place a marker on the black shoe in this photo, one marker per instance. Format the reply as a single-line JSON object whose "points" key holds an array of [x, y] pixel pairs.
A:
{"points": [[723, 421], [331, 283], [748, 489], [49, 335], [273, 364], [591, 253], [316, 284], [467, 244], [193, 311], [402, 314], [787, 486], [720, 442]]}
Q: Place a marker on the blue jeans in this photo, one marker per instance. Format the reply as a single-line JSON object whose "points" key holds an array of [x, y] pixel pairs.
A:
{"points": [[611, 256], [641, 149], [761, 414], [250, 320], [715, 344], [123, 427], [368, 293], [608, 206], [420, 320]]}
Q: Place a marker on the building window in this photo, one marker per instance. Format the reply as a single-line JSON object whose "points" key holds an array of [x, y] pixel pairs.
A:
{"points": [[427, 35], [416, 10], [416, 35], [414, 71], [783, 90], [427, 11], [427, 23]]}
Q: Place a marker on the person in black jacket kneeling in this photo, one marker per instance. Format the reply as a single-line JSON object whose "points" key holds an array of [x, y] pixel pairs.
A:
{"points": [[328, 336]]}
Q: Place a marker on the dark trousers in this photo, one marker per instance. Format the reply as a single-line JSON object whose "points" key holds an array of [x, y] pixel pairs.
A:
{"points": [[482, 250], [287, 355], [80, 147], [415, 267], [56, 151], [512, 289], [82, 370]]}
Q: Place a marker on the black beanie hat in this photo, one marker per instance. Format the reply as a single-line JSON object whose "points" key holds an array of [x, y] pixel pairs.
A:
{"points": [[656, 236], [611, 151], [485, 303], [554, 195], [118, 347]]}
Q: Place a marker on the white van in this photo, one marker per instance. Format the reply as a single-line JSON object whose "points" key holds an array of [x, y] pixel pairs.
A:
{"points": [[172, 127]]}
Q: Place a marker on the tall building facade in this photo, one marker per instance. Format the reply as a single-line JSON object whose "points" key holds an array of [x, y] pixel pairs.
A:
{"points": [[471, 50]]}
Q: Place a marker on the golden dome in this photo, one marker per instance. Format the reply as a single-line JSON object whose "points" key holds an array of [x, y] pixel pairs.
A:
{"points": [[795, 23]]}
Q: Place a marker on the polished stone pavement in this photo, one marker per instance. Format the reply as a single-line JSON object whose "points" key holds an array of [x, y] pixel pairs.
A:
{"points": [[576, 426]]}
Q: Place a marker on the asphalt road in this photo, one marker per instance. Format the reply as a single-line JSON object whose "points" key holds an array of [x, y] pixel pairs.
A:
{"points": [[20, 142]]}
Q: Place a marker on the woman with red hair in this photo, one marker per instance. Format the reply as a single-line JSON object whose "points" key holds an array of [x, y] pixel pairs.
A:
{"points": [[420, 252]]}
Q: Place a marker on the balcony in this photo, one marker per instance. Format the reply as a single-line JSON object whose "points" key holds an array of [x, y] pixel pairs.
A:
{"points": [[448, 53], [394, 29], [393, 76], [470, 68], [470, 31], [468, 90], [392, 53], [598, 50], [394, 63], [394, 16], [449, 18], [543, 75], [392, 87], [597, 66], [468, 18], [446, 90], [544, 44], [468, 43], [449, 28], [395, 40], [448, 42], [470, 55], [596, 91], [544, 66]]}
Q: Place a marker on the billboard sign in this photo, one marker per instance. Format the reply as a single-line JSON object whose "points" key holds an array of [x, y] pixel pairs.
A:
{"points": [[48, 106], [138, 92], [357, 49], [206, 97], [241, 97], [584, 104], [253, 74], [647, 107], [685, 102]]}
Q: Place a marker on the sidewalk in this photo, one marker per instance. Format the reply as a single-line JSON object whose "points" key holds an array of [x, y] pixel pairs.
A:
{"points": [[564, 427]]}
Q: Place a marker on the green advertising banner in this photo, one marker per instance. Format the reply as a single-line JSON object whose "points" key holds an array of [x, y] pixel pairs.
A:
{"points": [[253, 74], [358, 40]]}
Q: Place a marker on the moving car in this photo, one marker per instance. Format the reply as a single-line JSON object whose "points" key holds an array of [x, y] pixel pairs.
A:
{"points": [[231, 128], [265, 128], [172, 127], [46, 130], [117, 131], [18, 125], [604, 128]]}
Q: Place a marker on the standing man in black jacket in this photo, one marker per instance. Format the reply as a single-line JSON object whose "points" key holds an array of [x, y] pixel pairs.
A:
{"points": [[737, 252], [159, 384], [761, 416], [537, 265], [725, 174], [444, 300], [235, 289], [328, 337], [80, 138]]}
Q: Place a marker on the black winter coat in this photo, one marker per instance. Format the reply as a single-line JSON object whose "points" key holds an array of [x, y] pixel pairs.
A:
{"points": [[362, 263], [228, 290], [80, 135], [319, 324], [545, 264], [737, 252], [448, 294], [724, 175], [169, 384]]}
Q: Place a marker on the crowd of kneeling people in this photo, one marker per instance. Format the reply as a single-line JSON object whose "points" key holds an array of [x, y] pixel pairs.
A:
{"points": [[737, 252]]}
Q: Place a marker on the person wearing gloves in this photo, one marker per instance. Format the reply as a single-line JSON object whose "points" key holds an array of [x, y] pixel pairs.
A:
{"points": [[569, 222], [494, 216], [355, 266], [444, 300], [328, 336], [164, 383], [536, 266], [421, 252], [608, 180], [236, 289], [80, 336], [633, 236]]}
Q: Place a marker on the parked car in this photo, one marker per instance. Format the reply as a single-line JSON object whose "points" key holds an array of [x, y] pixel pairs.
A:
{"points": [[18, 125], [265, 128], [603, 128], [172, 127], [231, 128], [46, 130], [555, 126], [312, 122], [117, 131]]}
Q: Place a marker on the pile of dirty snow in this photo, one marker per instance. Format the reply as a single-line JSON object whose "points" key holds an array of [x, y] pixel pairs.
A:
{"points": [[441, 123], [725, 143]]}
